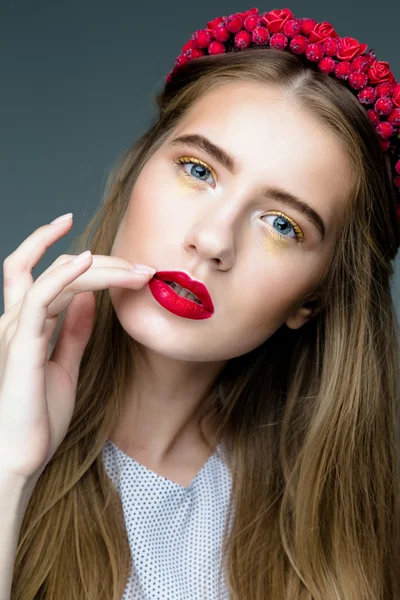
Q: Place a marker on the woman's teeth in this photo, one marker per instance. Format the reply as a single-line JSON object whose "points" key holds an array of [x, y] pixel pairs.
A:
{"points": [[183, 292]]}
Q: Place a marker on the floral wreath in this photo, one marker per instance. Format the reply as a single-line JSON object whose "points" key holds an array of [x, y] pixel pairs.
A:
{"points": [[345, 58]]}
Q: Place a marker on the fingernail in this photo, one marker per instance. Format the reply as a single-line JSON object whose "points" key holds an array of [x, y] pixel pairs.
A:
{"points": [[143, 269], [62, 218], [81, 257]]}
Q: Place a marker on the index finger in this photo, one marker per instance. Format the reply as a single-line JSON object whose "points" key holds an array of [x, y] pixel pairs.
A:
{"points": [[98, 260], [18, 266]]}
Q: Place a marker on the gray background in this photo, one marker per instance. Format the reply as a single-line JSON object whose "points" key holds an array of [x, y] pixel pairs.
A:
{"points": [[78, 80]]}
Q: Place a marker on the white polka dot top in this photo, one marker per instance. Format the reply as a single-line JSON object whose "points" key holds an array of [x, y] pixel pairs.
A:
{"points": [[175, 533]]}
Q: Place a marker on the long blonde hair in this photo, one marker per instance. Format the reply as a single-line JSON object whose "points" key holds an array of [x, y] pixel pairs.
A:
{"points": [[312, 415]]}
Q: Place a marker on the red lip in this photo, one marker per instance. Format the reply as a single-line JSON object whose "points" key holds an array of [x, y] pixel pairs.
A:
{"points": [[176, 304], [196, 287]]}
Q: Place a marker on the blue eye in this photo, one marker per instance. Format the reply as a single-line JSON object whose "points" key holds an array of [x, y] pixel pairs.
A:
{"points": [[199, 170], [280, 220], [284, 225]]}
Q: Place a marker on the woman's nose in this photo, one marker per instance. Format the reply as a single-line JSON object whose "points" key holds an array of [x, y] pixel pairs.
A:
{"points": [[212, 240]]}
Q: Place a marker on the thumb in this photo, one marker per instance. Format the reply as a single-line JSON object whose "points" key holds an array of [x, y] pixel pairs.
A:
{"points": [[75, 333]]}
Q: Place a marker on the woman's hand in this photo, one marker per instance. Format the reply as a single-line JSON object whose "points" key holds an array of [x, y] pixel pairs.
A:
{"points": [[37, 394]]}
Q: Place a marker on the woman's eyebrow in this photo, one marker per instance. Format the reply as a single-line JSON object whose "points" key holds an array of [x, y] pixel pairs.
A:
{"points": [[201, 142]]}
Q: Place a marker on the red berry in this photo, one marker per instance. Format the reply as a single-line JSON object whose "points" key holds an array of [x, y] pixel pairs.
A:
{"points": [[213, 24], [194, 53], [279, 41], [307, 25], [181, 60], [343, 70], [242, 39], [234, 23], [373, 115], [188, 46], [367, 95], [221, 33], [370, 57], [397, 167], [385, 130], [361, 63], [292, 27], [327, 65], [394, 117], [384, 106], [315, 52], [298, 44], [260, 35], [385, 144], [384, 89], [331, 46], [251, 22], [202, 38], [216, 48], [358, 80], [246, 13]]}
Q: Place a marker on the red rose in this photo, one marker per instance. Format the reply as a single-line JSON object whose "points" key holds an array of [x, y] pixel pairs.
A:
{"points": [[380, 71], [321, 31], [396, 96], [350, 48], [274, 20]]}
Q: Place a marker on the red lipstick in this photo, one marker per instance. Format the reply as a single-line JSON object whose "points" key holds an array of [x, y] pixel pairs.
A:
{"points": [[172, 301]]}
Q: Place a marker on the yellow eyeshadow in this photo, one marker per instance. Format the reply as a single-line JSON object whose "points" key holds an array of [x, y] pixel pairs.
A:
{"points": [[189, 182], [273, 243]]}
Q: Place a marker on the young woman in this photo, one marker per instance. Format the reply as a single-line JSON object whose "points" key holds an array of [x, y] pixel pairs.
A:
{"points": [[226, 424]]}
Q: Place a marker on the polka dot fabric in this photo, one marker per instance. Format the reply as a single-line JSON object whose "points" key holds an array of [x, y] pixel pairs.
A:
{"points": [[175, 533]]}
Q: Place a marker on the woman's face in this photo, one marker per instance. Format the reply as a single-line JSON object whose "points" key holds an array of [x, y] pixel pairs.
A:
{"points": [[258, 254]]}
